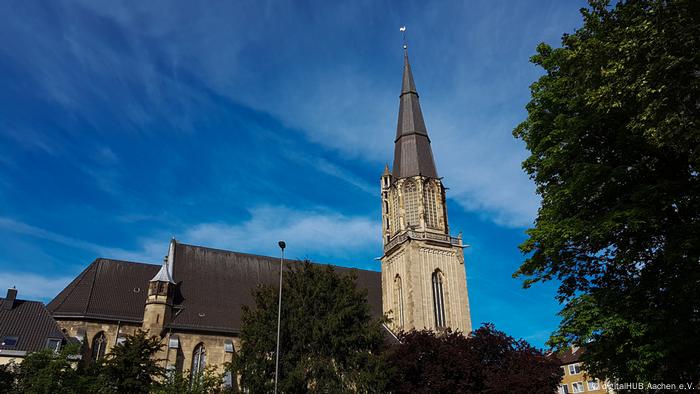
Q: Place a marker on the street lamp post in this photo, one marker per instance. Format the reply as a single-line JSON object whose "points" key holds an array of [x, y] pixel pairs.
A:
{"points": [[282, 245]]}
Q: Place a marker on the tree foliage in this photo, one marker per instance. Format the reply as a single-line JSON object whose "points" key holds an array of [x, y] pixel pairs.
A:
{"points": [[488, 361], [45, 371], [130, 367], [206, 382], [328, 343], [614, 134]]}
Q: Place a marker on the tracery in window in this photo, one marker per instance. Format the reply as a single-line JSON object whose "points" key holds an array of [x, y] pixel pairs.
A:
{"points": [[199, 361], [430, 203], [99, 346], [438, 300], [410, 204]]}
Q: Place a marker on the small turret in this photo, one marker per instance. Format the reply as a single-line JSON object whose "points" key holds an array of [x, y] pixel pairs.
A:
{"points": [[160, 295], [386, 177]]}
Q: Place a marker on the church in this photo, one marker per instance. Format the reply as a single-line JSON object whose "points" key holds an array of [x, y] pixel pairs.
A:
{"points": [[192, 301]]}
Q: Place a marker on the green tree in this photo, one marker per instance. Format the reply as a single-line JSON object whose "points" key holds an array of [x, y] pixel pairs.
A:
{"points": [[131, 367], [208, 381], [487, 361], [329, 341], [8, 377], [49, 372], [613, 129]]}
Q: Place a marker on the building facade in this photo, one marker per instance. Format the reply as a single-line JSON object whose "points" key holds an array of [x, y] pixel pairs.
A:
{"points": [[192, 302], [424, 282], [575, 378]]}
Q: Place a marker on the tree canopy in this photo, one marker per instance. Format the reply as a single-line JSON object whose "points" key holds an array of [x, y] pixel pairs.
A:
{"points": [[329, 341], [131, 366], [487, 361], [613, 132]]}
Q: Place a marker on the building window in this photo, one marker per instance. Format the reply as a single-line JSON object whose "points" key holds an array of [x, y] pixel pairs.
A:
{"points": [[431, 212], [438, 300], [593, 385], [564, 369], [99, 346], [53, 344], [410, 204], [577, 387], [199, 360], [563, 389], [574, 369], [398, 294], [9, 341], [395, 213], [228, 380], [228, 346]]}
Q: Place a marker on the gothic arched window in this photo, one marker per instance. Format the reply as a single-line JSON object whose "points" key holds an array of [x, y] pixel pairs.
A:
{"points": [[430, 201], [395, 213], [398, 296], [410, 204], [99, 346], [438, 299], [199, 360]]}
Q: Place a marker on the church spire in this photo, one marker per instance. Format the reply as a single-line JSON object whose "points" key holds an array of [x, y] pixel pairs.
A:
{"points": [[412, 152]]}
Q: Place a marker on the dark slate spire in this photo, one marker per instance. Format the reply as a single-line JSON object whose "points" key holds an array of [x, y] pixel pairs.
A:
{"points": [[412, 153]]}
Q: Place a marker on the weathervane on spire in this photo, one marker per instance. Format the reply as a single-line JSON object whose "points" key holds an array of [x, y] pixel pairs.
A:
{"points": [[402, 29]]}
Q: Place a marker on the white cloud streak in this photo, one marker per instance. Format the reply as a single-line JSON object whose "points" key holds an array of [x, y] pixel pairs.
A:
{"points": [[308, 233], [32, 286], [324, 80]]}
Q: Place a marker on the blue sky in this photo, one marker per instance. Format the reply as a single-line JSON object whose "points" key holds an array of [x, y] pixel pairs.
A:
{"points": [[236, 124]]}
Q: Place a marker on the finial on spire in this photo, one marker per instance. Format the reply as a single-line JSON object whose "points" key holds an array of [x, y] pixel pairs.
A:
{"points": [[402, 29], [165, 274], [386, 170]]}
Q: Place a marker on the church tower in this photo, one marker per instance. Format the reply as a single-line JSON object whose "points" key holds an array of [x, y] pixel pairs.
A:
{"points": [[424, 282]]}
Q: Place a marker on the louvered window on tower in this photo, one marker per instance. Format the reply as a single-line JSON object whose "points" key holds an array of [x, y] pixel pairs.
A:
{"points": [[438, 300], [431, 212], [410, 204]]}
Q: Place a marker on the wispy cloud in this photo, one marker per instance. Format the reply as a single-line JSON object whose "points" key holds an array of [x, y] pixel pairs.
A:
{"points": [[473, 80], [33, 286], [150, 252], [307, 233]]}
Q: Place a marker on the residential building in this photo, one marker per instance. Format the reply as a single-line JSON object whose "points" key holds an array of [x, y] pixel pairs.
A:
{"points": [[575, 379], [25, 327]]}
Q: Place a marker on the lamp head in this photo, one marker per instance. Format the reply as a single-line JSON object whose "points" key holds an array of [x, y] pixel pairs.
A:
{"points": [[282, 245]]}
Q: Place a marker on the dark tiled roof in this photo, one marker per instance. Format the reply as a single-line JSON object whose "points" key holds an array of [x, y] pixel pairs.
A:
{"points": [[570, 355], [412, 152], [106, 289], [30, 322], [212, 285]]}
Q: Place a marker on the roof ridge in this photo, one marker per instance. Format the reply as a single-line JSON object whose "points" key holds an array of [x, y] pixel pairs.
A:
{"points": [[276, 258], [125, 261], [232, 251]]}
